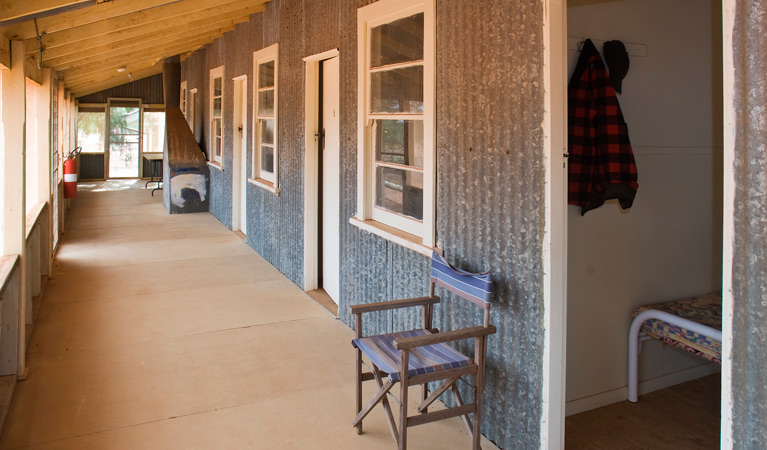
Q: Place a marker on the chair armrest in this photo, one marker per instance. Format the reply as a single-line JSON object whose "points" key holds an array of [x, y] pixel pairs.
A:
{"points": [[392, 304], [447, 336]]}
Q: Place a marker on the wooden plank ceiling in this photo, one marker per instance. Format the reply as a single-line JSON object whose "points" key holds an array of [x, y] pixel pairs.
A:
{"points": [[87, 41]]}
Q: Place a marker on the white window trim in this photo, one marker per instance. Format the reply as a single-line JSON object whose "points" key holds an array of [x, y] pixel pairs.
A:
{"points": [[215, 161], [261, 178], [420, 233], [183, 98], [192, 118]]}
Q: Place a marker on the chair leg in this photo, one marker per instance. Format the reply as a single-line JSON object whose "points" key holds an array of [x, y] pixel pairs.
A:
{"points": [[459, 401], [424, 396], [479, 348], [386, 405], [404, 381], [359, 388]]}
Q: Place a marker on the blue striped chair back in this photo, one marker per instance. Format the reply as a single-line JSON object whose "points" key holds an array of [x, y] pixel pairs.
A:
{"points": [[475, 287]]}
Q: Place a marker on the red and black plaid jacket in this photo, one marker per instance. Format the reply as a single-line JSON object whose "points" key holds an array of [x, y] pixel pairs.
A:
{"points": [[601, 163]]}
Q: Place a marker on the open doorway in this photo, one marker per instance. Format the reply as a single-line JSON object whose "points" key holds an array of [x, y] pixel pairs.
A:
{"points": [[669, 244], [240, 157], [124, 138], [323, 214]]}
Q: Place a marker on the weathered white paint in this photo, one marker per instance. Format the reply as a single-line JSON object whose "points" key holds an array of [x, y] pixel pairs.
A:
{"points": [[187, 181], [12, 164], [555, 229], [331, 180], [239, 158], [728, 22], [311, 167]]}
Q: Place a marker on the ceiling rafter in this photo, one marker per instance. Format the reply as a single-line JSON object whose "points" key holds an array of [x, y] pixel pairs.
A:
{"points": [[87, 41], [96, 85], [140, 23], [127, 59], [14, 10], [82, 50], [155, 46], [86, 48], [79, 17], [162, 17]]}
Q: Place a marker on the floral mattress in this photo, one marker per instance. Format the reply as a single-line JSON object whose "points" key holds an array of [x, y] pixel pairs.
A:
{"points": [[704, 309]]}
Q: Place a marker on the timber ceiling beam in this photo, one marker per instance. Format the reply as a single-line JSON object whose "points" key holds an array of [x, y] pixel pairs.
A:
{"points": [[150, 46], [79, 17], [85, 49], [89, 87], [132, 67], [19, 9], [161, 18], [128, 59]]}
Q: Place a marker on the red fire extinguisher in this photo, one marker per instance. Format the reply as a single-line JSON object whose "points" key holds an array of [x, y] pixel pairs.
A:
{"points": [[70, 174]]}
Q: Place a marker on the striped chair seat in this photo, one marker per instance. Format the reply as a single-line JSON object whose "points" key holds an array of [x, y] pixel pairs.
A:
{"points": [[429, 358]]}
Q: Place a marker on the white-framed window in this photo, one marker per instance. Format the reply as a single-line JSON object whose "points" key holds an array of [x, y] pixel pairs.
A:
{"points": [[217, 115], [265, 146], [183, 100], [192, 106], [396, 111]]}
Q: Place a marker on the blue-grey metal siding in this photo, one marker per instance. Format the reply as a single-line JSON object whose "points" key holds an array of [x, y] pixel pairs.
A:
{"points": [[749, 271], [490, 178]]}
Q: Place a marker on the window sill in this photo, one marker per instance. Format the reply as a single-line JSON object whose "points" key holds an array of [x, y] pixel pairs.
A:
{"points": [[217, 165], [407, 240], [263, 184]]}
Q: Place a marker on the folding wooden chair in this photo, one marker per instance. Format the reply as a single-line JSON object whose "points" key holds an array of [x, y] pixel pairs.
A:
{"points": [[422, 356]]}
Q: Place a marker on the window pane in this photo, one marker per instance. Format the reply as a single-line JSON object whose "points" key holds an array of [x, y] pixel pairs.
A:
{"points": [[217, 144], [90, 131], [400, 191], [217, 87], [397, 91], [397, 42], [217, 127], [266, 103], [123, 120], [216, 107], [267, 131], [399, 142], [154, 132], [266, 74], [267, 159]]}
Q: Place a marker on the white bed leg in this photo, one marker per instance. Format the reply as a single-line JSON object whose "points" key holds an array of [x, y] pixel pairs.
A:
{"points": [[636, 324]]}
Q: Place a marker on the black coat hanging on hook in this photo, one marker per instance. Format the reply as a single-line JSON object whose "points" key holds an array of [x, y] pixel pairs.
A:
{"points": [[601, 162]]}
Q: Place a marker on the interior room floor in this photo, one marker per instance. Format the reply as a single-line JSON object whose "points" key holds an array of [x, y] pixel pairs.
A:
{"points": [[681, 417], [161, 331]]}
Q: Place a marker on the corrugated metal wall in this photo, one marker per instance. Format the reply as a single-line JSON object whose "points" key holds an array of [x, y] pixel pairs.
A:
{"points": [[490, 177], [749, 272], [149, 90]]}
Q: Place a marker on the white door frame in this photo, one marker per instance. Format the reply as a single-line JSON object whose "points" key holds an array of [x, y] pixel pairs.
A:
{"points": [[311, 167], [555, 230], [239, 149], [331, 186]]}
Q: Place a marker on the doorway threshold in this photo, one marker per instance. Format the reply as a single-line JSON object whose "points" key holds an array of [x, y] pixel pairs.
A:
{"points": [[324, 300]]}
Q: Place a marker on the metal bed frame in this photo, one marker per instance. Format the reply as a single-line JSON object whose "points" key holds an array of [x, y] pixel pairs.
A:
{"points": [[635, 336]]}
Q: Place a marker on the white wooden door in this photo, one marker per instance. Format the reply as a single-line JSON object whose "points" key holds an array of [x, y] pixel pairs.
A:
{"points": [[240, 156], [331, 211]]}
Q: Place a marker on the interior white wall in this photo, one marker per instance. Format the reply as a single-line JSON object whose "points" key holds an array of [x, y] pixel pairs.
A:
{"points": [[669, 244]]}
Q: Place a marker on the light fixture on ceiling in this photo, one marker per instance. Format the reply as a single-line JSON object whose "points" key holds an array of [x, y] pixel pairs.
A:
{"points": [[122, 69]]}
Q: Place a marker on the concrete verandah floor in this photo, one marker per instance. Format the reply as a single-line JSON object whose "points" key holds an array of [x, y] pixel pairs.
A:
{"points": [[163, 331]]}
